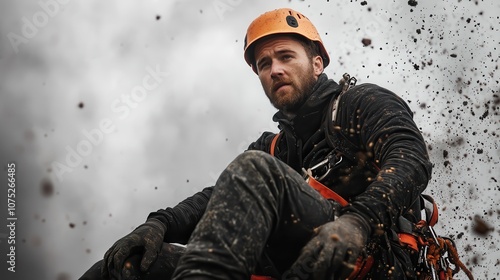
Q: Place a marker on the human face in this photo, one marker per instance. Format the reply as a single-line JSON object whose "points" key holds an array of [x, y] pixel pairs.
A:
{"points": [[286, 72]]}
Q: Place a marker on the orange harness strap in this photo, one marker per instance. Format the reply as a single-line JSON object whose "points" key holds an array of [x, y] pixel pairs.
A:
{"points": [[325, 191], [409, 240], [433, 219], [261, 277], [273, 143], [363, 266]]}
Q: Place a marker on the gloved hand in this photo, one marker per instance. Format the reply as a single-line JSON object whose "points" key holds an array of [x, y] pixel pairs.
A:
{"points": [[147, 239], [333, 251]]}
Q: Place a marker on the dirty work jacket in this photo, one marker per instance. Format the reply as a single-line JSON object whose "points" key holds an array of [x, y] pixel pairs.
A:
{"points": [[375, 120]]}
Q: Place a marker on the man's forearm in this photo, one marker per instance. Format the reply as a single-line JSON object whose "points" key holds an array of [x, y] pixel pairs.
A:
{"points": [[181, 219]]}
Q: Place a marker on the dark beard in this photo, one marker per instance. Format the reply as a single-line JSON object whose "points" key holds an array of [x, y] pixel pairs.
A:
{"points": [[303, 96], [292, 105]]}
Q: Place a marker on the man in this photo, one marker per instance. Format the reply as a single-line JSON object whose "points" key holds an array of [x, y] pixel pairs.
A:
{"points": [[262, 217]]}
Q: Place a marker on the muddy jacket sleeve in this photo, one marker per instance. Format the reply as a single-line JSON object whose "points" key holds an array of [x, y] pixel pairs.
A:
{"points": [[382, 125], [182, 219]]}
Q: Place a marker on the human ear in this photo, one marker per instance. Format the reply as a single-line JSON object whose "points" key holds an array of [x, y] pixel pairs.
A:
{"points": [[317, 65]]}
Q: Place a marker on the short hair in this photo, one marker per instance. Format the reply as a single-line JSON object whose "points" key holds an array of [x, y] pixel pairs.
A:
{"points": [[312, 48]]}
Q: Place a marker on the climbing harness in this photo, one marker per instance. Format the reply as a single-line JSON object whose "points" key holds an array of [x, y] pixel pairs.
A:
{"points": [[437, 256]]}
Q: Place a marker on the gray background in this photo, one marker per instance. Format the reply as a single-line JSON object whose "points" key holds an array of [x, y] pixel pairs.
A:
{"points": [[65, 67]]}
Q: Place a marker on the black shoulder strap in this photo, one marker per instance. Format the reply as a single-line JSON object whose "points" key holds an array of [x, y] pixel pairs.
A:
{"points": [[334, 136]]}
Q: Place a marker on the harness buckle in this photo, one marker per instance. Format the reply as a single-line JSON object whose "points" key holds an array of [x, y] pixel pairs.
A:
{"points": [[444, 261], [347, 82]]}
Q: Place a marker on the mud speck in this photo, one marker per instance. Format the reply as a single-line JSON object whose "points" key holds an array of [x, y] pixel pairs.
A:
{"points": [[63, 276], [445, 154], [47, 188], [480, 227], [366, 42]]}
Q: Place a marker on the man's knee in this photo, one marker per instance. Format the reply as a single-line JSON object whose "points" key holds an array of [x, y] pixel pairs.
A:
{"points": [[255, 158], [255, 154], [254, 165], [248, 170]]}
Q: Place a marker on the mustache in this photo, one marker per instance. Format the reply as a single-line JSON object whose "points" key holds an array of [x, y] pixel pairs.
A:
{"points": [[279, 83]]}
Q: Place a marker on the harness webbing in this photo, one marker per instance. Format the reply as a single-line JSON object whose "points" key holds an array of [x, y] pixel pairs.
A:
{"points": [[325, 191], [261, 277], [273, 144], [433, 219]]}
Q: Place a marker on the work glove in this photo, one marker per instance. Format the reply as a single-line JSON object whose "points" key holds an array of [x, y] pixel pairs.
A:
{"points": [[333, 251], [147, 239]]}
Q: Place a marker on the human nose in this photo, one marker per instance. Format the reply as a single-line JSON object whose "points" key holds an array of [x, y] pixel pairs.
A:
{"points": [[276, 69]]}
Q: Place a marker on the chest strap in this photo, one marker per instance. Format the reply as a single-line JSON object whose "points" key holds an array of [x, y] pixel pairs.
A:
{"points": [[325, 191]]}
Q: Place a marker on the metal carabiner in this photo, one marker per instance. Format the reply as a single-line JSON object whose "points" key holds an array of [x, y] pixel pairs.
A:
{"points": [[434, 273], [329, 166], [320, 164], [422, 257]]}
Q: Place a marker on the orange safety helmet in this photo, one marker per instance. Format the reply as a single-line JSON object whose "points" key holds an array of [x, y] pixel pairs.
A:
{"points": [[282, 21]]}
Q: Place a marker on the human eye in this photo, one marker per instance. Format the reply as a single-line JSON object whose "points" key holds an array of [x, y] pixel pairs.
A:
{"points": [[262, 64], [286, 57]]}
